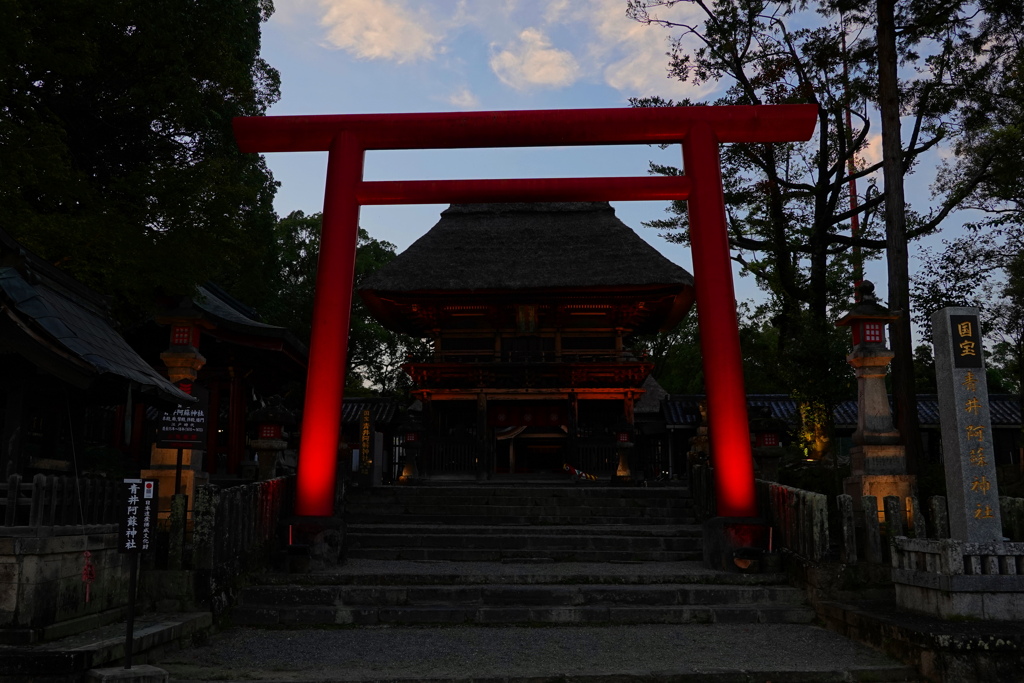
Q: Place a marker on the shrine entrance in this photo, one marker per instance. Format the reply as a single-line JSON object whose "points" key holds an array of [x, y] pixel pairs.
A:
{"points": [[530, 451], [699, 131]]}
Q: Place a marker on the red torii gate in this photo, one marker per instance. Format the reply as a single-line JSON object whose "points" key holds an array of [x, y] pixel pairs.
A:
{"points": [[698, 129]]}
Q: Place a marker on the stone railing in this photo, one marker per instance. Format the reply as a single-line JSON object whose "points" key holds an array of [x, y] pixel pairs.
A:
{"points": [[948, 578], [799, 519], [808, 525], [233, 532], [234, 527]]}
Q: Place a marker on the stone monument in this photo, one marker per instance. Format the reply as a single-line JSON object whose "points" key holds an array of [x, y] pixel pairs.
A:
{"points": [[973, 573]]}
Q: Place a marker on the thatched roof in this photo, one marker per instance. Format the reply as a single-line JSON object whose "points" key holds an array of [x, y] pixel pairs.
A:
{"points": [[527, 246]]}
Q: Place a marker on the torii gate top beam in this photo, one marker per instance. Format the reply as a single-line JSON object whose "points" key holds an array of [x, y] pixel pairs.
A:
{"points": [[557, 127]]}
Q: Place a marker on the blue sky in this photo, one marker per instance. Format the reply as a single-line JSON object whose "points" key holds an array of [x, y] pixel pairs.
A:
{"points": [[376, 56]]}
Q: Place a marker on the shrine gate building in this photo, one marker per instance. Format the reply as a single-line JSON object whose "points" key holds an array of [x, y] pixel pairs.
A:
{"points": [[530, 309]]}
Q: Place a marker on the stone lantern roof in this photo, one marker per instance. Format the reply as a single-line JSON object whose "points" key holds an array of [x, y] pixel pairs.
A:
{"points": [[867, 308]]}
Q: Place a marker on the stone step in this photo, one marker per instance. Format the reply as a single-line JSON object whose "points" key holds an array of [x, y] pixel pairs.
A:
{"points": [[385, 573], [661, 531], [534, 555], [474, 490], [520, 501], [491, 541], [696, 653], [680, 500], [485, 513], [402, 517], [489, 595], [312, 616]]}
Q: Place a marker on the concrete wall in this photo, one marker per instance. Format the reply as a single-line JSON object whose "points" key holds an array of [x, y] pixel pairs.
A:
{"points": [[42, 594]]}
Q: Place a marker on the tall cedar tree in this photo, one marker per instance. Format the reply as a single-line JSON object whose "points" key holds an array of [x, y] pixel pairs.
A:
{"points": [[117, 160], [789, 208]]}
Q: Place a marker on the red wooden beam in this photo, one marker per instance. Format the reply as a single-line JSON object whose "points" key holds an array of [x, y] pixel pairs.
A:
{"points": [[555, 127], [537, 189]]}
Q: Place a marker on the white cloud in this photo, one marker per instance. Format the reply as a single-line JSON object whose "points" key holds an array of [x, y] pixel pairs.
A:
{"points": [[464, 99], [554, 10], [379, 29], [533, 61], [871, 153], [630, 56]]}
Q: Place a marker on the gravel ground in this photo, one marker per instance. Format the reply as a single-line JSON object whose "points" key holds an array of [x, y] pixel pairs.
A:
{"points": [[402, 653]]}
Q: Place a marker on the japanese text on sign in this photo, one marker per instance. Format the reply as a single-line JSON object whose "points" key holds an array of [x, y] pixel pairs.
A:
{"points": [[966, 339], [980, 484], [366, 434], [138, 515]]}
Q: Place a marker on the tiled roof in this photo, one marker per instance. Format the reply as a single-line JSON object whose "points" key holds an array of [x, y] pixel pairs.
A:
{"points": [[382, 410], [221, 307], [79, 330], [682, 411]]}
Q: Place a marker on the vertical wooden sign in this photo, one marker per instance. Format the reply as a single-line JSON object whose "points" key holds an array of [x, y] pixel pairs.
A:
{"points": [[968, 455], [365, 444]]}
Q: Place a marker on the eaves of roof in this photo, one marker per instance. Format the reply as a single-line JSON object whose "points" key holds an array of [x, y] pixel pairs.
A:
{"points": [[70, 330]]}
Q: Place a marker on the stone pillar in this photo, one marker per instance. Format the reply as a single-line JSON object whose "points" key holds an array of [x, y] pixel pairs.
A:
{"points": [[968, 456]]}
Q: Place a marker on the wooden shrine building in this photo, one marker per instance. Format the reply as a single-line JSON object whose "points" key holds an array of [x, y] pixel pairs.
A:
{"points": [[530, 309]]}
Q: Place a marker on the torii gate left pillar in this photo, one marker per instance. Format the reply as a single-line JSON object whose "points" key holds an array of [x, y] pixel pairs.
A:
{"points": [[698, 129]]}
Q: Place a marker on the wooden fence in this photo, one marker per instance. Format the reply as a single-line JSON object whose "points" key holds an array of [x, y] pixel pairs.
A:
{"points": [[47, 501]]}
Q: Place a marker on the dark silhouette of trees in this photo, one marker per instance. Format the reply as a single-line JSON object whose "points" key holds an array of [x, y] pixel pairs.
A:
{"points": [[117, 160]]}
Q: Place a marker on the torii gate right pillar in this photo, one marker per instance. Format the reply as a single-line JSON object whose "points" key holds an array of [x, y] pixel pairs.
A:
{"points": [[719, 333], [736, 538]]}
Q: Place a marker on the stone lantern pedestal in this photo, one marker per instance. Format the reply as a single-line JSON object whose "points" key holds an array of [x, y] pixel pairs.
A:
{"points": [[878, 459]]}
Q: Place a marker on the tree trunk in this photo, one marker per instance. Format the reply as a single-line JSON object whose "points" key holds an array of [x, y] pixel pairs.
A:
{"points": [[903, 390]]}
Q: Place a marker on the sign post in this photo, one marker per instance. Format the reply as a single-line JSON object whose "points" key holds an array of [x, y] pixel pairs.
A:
{"points": [[968, 455], [138, 517]]}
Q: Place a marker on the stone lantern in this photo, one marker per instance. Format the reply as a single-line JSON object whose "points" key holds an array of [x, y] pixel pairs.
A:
{"points": [[878, 460], [270, 421], [412, 429], [766, 438], [624, 434]]}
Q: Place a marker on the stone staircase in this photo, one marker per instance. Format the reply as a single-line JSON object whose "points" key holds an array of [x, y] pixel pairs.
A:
{"points": [[520, 555]]}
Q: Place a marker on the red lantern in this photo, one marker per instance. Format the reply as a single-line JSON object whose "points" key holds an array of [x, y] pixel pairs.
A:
{"points": [[185, 335], [269, 430]]}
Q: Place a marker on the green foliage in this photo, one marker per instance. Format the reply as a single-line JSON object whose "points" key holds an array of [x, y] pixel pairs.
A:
{"points": [[983, 269], [789, 215], [117, 159], [676, 357], [375, 354], [924, 370]]}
